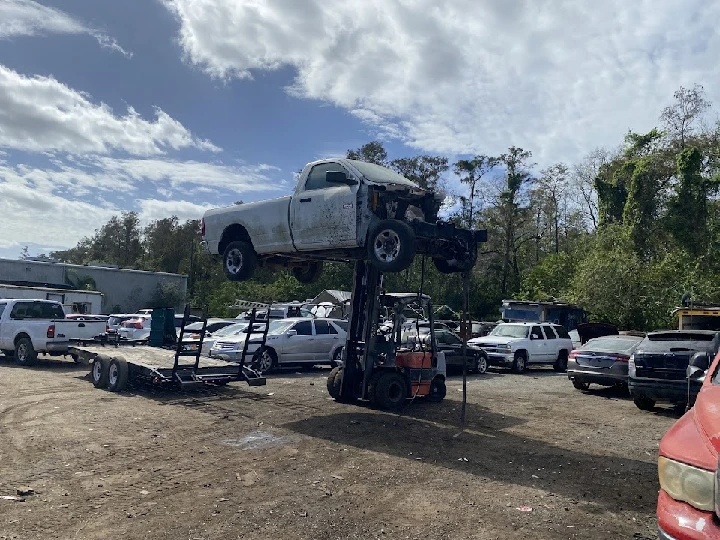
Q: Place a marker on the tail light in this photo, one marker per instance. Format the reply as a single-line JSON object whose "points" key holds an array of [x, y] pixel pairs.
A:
{"points": [[573, 354], [51, 331], [620, 357], [202, 227], [137, 325]]}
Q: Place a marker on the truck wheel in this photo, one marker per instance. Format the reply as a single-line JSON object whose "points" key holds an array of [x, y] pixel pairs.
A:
{"points": [[390, 391], [334, 382], [520, 362], [644, 403], [25, 354], [99, 371], [437, 390], [391, 246], [117, 376], [450, 266], [561, 362], [309, 274], [239, 261]]}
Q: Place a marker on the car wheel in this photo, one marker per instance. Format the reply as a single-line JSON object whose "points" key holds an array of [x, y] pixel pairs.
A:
{"points": [[390, 390], [309, 274], [337, 357], [265, 360], [437, 390], [561, 362], [117, 375], [391, 246], [644, 403], [482, 364], [520, 362], [25, 354], [239, 261], [581, 385]]}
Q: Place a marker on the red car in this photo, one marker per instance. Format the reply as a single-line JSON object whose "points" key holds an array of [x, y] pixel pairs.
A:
{"points": [[689, 500]]}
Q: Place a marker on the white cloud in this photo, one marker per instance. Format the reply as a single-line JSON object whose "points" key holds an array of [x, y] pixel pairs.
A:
{"points": [[42, 114], [28, 18], [558, 78], [152, 209]]}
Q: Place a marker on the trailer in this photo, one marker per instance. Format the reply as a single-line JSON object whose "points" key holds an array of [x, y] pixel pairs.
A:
{"points": [[113, 365]]}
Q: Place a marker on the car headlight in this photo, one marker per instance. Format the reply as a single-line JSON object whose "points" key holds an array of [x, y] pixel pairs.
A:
{"points": [[631, 366], [687, 483]]}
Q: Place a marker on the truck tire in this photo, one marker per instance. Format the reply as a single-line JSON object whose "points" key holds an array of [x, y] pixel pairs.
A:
{"points": [[520, 363], [390, 391], [99, 371], [239, 261], [117, 376], [391, 246], [561, 362], [25, 354], [308, 275]]}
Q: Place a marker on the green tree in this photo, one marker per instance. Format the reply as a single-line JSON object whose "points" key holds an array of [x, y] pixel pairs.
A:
{"points": [[372, 152]]}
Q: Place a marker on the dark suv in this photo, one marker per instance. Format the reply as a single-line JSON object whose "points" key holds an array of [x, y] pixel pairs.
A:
{"points": [[656, 370]]}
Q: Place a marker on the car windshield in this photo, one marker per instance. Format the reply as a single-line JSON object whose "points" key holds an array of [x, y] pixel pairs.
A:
{"points": [[233, 329], [623, 344], [379, 174], [510, 330], [279, 327]]}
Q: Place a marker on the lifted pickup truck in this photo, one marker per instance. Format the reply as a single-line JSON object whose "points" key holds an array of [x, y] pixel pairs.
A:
{"points": [[29, 327], [517, 345], [342, 209]]}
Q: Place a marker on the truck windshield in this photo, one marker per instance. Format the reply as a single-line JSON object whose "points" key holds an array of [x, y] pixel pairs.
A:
{"points": [[379, 174], [510, 330]]}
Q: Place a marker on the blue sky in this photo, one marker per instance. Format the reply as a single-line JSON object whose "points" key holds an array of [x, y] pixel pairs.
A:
{"points": [[229, 97]]}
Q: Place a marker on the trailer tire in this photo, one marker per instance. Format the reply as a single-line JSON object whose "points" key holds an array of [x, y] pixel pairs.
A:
{"points": [[99, 371], [438, 390], [117, 376], [391, 246], [308, 275], [391, 390], [239, 261], [334, 383], [25, 353]]}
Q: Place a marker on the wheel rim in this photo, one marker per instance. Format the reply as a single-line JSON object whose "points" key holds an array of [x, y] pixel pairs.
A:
{"points": [[521, 363], [234, 261], [22, 352], [482, 365], [387, 246], [97, 370], [113, 374], [265, 361]]}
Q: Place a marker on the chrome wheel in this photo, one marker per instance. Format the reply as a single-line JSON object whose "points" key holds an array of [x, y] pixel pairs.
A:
{"points": [[113, 374], [97, 370], [22, 352], [387, 246], [266, 361], [234, 261], [482, 365]]}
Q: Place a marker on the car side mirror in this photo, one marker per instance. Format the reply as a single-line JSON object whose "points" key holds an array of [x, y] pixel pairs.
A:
{"points": [[291, 333], [338, 177]]}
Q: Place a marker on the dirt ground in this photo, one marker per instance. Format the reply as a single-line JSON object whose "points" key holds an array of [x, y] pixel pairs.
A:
{"points": [[285, 461]]}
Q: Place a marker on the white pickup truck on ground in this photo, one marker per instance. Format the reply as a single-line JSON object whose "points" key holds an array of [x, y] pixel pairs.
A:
{"points": [[519, 345], [342, 209], [29, 327]]}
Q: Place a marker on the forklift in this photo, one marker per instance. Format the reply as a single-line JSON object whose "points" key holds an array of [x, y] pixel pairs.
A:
{"points": [[382, 367]]}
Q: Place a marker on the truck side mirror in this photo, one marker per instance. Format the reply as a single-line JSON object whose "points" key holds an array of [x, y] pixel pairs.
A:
{"points": [[339, 177]]}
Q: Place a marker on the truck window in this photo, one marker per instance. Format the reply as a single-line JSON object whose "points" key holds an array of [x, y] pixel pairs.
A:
{"points": [[536, 333], [549, 332], [2, 308], [561, 332], [37, 310], [316, 178]]}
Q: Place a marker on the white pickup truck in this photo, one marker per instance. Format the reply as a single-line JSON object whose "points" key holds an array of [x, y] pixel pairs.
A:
{"points": [[29, 327], [518, 345], [342, 209]]}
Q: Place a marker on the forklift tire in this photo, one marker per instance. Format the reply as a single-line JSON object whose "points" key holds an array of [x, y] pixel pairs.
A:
{"points": [[99, 371], [437, 390], [390, 391], [334, 382], [308, 275], [117, 376], [391, 246], [239, 261]]}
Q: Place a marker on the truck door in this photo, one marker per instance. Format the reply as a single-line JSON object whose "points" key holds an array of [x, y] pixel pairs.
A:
{"points": [[322, 214], [3, 305], [553, 344], [538, 345]]}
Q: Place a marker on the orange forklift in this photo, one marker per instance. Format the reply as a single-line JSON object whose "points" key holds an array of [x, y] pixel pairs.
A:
{"points": [[381, 367]]}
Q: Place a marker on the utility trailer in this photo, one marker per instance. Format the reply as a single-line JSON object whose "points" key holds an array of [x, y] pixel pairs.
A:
{"points": [[113, 365]]}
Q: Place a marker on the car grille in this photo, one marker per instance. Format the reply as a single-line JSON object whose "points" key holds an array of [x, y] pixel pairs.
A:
{"points": [[225, 345]]}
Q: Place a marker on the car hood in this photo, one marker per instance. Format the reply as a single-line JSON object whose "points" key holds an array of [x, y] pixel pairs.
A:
{"points": [[492, 340], [707, 415]]}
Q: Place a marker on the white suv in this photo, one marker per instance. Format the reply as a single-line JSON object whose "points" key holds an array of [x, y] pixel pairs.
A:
{"points": [[519, 345]]}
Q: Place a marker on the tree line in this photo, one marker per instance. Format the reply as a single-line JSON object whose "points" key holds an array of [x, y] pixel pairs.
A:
{"points": [[625, 233]]}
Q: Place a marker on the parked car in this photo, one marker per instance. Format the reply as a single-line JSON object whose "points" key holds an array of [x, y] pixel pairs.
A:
{"points": [[656, 370], [451, 344], [213, 327], [602, 360], [519, 345], [278, 312], [289, 341], [135, 328], [341, 208], [687, 504], [115, 321], [29, 327]]}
